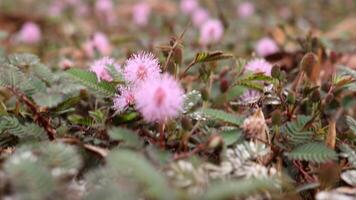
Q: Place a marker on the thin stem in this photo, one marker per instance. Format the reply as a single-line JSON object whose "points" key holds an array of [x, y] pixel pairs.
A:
{"points": [[162, 139]]}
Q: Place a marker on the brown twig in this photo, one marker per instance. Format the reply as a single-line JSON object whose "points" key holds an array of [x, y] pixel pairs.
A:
{"points": [[41, 120]]}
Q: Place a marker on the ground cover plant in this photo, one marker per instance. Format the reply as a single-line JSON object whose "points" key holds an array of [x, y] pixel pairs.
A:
{"points": [[177, 99]]}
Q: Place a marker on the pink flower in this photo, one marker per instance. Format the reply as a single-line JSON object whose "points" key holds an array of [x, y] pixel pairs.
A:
{"points": [[56, 8], [124, 99], [259, 66], [266, 46], [103, 6], [188, 6], [159, 99], [29, 33], [200, 16], [211, 32], [100, 68], [250, 96], [140, 67], [141, 13], [245, 9], [101, 43]]}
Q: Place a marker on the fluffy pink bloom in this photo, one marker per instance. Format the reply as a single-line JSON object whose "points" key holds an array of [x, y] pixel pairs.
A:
{"points": [[103, 6], [245, 9], [124, 99], [141, 13], [100, 68], [200, 16], [188, 6], [140, 67], [159, 99], [211, 32], [266, 46], [56, 8], [259, 66], [29, 33], [101, 43]]}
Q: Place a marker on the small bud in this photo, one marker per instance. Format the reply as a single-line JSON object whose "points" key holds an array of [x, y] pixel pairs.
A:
{"points": [[290, 98], [276, 117], [315, 96], [215, 142], [204, 94], [224, 85], [186, 123], [276, 71]]}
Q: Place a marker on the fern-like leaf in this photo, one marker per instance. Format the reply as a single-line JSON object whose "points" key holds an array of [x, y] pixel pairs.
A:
{"points": [[294, 130], [222, 116], [22, 131], [313, 152], [89, 80]]}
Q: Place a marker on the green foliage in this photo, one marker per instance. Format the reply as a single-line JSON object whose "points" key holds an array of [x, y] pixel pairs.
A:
{"points": [[349, 153], [352, 123], [313, 152], [238, 188], [127, 136], [211, 56], [137, 167], [48, 100], [30, 180], [222, 116], [191, 99], [22, 131], [230, 136], [295, 132], [90, 80]]}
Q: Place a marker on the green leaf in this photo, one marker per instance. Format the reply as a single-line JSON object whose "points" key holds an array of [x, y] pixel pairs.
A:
{"points": [[349, 153], [89, 80], [48, 100], [29, 179], [211, 56], [313, 152], [23, 131], [136, 167], [231, 136], [222, 116], [352, 123], [294, 130], [191, 99], [129, 137], [238, 188]]}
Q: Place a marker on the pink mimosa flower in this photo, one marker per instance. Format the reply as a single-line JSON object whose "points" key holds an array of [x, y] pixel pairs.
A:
{"points": [[124, 99], [245, 9], [200, 16], [188, 6], [30, 33], [211, 32], [100, 68], [159, 99], [140, 67], [102, 43], [259, 66], [141, 13], [266, 46]]}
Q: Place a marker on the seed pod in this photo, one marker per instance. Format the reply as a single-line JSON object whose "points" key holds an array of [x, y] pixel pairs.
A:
{"points": [[186, 123], [224, 85], [204, 94], [276, 117], [276, 72]]}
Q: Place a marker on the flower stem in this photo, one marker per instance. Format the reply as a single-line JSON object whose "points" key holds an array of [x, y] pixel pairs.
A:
{"points": [[162, 141]]}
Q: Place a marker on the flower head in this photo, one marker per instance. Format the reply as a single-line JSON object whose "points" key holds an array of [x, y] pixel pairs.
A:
{"points": [[124, 99], [103, 6], [211, 32], [141, 13], [266, 46], [258, 65], [159, 99], [101, 43], [245, 9], [140, 67], [199, 16], [100, 68], [29, 33], [188, 6]]}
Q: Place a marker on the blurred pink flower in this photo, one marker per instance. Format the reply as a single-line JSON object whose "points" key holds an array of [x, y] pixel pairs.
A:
{"points": [[211, 32], [159, 99], [30, 33], [140, 67], [102, 43], [100, 68], [124, 99], [188, 6], [266, 46], [56, 8], [200, 16], [245, 9], [141, 13], [258, 65], [65, 64], [250, 96], [103, 6]]}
